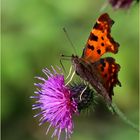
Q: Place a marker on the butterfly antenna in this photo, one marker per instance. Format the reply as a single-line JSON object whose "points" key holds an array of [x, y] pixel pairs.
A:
{"points": [[66, 33]]}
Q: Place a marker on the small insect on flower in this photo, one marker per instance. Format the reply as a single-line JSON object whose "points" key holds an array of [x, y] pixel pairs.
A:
{"points": [[56, 104]]}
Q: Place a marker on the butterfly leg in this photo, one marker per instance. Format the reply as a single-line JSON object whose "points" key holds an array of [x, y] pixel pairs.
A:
{"points": [[82, 92], [70, 78], [83, 89], [69, 73]]}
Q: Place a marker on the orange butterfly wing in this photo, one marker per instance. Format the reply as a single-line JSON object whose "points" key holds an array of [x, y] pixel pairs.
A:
{"points": [[108, 70], [100, 40]]}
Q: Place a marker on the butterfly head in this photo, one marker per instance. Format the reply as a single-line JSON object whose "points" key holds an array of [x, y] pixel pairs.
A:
{"points": [[75, 61]]}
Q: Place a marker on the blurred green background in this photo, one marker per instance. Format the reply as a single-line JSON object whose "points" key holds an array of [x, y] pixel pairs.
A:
{"points": [[32, 39]]}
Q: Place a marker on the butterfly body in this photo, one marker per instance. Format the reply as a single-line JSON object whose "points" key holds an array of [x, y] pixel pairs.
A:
{"points": [[101, 73], [90, 73]]}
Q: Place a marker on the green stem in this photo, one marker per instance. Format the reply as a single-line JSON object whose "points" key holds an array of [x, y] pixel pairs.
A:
{"points": [[124, 118]]}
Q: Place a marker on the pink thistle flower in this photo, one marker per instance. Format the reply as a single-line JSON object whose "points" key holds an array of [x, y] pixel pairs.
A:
{"points": [[56, 104]]}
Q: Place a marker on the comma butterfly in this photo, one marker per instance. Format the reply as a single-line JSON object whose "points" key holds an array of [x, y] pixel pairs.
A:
{"points": [[101, 73]]}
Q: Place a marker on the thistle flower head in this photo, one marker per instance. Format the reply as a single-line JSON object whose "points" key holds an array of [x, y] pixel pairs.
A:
{"points": [[55, 102]]}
